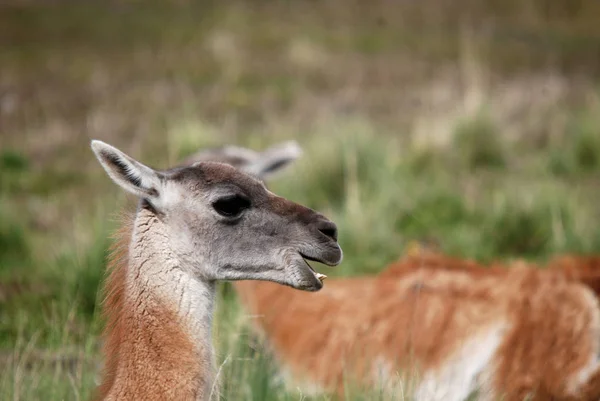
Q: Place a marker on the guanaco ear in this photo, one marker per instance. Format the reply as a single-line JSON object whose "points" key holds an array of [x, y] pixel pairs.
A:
{"points": [[130, 174], [274, 160], [263, 164]]}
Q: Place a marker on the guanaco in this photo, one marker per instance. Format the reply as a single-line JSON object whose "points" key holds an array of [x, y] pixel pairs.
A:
{"points": [[194, 225]]}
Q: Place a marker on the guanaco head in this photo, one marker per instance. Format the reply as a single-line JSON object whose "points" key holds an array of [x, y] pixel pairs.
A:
{"points": [[223, 224]]}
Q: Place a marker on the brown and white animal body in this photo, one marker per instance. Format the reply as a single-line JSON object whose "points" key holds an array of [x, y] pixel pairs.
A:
{"points": [[194, 225], [511, 333], [449, 327]]}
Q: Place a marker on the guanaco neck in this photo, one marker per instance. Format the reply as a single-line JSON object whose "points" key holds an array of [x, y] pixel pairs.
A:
{"points": [[158, 341]]}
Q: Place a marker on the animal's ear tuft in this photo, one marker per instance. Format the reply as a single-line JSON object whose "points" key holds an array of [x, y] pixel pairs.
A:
{"points": [[127, 172], [263, 164], [275, 159]]}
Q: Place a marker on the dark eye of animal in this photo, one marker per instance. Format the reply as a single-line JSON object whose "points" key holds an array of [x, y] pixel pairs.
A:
{"points": [[231, 206]]}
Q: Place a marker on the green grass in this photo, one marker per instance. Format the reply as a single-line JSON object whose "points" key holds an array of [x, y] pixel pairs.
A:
{"points": [[367, 184], [396, 150]]}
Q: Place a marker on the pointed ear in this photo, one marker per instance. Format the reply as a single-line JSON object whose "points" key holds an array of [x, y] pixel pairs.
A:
{"points": [[273, 160], [263, 164], [130, 174]]}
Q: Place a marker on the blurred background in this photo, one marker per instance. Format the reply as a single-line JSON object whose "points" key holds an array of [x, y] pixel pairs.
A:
{"points": [[472, 126]]}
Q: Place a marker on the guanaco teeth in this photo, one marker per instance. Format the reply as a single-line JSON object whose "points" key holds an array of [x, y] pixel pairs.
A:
{"points": [[321, 277]]}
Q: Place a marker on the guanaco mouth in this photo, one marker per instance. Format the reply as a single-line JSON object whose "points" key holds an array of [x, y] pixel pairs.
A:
{"points": [[319, 276]]}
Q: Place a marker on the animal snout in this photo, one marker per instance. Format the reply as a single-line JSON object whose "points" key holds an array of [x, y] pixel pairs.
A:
{"points": [[328, 228]]}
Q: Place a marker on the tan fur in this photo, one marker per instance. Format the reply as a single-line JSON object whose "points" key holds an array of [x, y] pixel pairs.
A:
{"points": [[585, 269], [114, 288], [417, 313], [579, 268], [152, 344]]}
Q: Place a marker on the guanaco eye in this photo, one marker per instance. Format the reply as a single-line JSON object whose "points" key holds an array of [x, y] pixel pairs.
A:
{"points": [[231, 206]]}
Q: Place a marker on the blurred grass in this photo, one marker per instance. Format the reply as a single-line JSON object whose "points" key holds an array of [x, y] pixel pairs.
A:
{"points": [[474, 126]]}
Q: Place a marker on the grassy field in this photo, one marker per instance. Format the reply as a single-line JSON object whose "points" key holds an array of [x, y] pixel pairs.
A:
{"points": [[474, 127]]}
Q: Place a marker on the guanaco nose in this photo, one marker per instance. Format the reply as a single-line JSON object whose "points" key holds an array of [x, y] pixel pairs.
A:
{"points": [[328, 228]]}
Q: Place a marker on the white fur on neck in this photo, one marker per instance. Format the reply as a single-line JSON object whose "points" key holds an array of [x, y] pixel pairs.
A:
{"points": [[155, 271]]}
